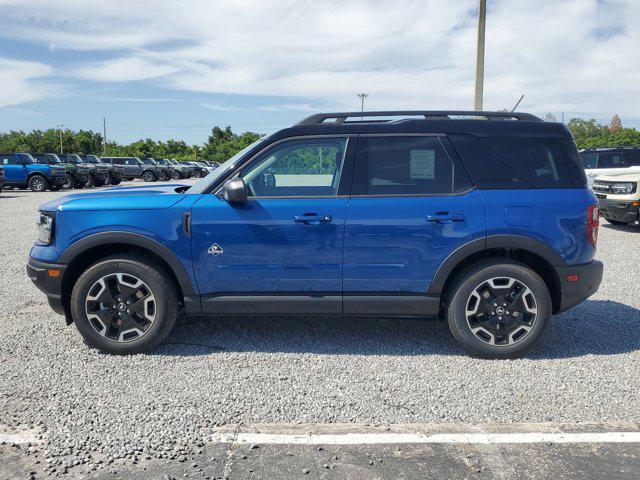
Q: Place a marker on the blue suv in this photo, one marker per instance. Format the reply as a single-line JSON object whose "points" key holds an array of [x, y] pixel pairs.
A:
{"points": [[22, 171], [481, 218]]}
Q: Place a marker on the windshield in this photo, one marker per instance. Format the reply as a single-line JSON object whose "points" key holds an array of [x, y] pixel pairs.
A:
{"points": [[91, 159], [148, 161], [48, 158], [73, 158], [201, 185]]}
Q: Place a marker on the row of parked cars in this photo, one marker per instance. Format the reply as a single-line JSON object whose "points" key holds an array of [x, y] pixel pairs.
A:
{"points": [[51, 171]]}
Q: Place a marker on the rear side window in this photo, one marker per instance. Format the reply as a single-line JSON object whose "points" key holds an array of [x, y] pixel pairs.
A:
{"points": [[411, 165], [516, 162], [589, 160]]}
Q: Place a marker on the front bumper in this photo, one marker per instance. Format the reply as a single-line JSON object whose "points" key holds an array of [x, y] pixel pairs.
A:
{"points": [[622, 211], [56, 180], [574, 292], [48, 278]]}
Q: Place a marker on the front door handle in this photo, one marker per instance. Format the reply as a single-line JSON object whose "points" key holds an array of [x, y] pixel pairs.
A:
{"points": [[445, 217], [312, 218]]}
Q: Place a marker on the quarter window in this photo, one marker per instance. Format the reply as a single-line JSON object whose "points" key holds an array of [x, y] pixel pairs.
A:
{"points": [[297, 168], [411, 165]]}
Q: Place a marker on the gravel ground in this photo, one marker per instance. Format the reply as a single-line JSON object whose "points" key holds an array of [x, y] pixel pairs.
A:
{"points": [[88, 408]]}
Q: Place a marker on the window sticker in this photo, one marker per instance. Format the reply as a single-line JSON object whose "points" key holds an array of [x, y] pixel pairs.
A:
{"points": [[422, 164]]}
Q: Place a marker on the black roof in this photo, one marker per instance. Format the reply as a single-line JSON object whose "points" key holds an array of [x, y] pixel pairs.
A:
{"points": [[490, 124]]}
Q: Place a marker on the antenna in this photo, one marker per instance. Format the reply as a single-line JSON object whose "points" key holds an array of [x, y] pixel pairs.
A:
{"points": [[516, 105]]}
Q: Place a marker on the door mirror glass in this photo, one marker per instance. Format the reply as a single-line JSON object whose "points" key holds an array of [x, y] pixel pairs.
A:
{"points": [[235, 191]]}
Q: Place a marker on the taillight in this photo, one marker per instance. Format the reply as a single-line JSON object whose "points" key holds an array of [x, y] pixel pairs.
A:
{"points": [[593, 222]]}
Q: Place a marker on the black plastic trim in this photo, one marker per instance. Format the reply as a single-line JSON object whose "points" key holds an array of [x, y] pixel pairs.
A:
{"points": [[574, 293], [133, 239], [395, 305], [271, 305]]}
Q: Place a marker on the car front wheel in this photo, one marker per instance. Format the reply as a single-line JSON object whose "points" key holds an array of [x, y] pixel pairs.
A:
{"points": [[124, 305], [498, 308], [38, 183], [149, 176]]}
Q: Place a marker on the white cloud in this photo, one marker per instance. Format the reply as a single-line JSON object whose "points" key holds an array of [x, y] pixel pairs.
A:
{"points": [[124, 69], [575, 55], [20, 81]]}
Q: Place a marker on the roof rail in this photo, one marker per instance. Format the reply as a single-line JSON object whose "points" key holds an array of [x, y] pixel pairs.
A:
{"points": [[341, 117]]}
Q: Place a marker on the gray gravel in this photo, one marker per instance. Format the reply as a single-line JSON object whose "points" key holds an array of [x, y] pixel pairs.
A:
{"points": [[92, 408]]}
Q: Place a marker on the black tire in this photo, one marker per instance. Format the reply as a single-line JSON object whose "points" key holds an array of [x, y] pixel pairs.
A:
{"points": [[37, 183], [618, 222], [109, 180], [69, 182], [458, 298], [159, 284], [54, 188], [91, 181], [149, 176], [116, 182], [177, 175], [100, 183], [162, 176]]}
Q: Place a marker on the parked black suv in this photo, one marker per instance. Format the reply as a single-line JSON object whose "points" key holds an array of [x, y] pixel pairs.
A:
{"points": [[114, 172], [165, 172], [97, 173], [134, 168]]}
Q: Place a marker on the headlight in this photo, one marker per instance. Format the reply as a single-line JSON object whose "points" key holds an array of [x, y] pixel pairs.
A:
{"points": [[45, 229], [626, 187]]}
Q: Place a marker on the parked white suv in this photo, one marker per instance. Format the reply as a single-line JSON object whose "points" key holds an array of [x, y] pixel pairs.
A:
{"points": [[619, 197], [610, 161]]}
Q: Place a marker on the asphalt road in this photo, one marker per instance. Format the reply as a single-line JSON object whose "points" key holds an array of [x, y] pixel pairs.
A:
{"points": [[145, 416]]}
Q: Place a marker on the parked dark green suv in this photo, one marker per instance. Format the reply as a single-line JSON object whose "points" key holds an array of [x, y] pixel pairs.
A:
{"points": [[76, 175]]}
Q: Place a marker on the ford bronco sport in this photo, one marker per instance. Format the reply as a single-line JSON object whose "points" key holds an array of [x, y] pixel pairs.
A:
{"points": [[481, 218], [610, 161], [22, 171]]}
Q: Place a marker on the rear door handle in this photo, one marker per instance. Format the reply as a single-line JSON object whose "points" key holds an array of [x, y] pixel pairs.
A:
{"points": [[312, 218], [445, 217]]}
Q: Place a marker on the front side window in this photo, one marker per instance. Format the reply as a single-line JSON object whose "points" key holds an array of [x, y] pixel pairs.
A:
{"points": [[25, 158], [611, 160], [297, 168], [396, 165]]}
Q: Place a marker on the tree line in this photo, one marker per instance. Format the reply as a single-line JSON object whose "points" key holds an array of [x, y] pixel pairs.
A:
{"points": [[224, 143], [220, 145]]}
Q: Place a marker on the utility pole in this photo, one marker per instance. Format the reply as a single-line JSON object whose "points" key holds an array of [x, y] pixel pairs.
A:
{"points": [[60, 130], [104, 136], [482, 13]]}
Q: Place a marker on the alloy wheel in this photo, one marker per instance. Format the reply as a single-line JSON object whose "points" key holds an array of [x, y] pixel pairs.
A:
{"points": [[501, 311], [120, 307]]}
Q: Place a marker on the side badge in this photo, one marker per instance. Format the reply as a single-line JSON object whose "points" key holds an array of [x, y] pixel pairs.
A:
{"points": [[215, 250]]}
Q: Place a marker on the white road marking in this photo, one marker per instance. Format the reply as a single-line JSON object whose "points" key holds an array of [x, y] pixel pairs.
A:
{"points": [[420, 438], [18, 438]]}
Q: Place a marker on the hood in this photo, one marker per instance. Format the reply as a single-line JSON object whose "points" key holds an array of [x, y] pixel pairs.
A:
{"points": [[118, 198], [622, 177]]}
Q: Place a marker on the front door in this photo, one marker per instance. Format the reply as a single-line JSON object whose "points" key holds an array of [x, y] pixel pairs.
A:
{"points": [[412, 205], [280, 251]]}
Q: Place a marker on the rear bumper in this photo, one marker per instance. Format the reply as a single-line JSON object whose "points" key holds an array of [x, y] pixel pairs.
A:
{"points": [[617, 210], [575, 292], [40, 274]]}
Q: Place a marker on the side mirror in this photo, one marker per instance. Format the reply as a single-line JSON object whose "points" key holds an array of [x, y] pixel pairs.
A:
{"points": [[235, 191]]}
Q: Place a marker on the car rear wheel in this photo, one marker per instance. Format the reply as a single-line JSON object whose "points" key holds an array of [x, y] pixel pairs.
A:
{"points": [[100, 183], [162, 176], [149, 176], [124, 305], [498, 308], [37, 183], [177, 174]]}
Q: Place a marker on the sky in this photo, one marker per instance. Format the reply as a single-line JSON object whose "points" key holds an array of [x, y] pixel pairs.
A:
{"points": [[174, 69]]}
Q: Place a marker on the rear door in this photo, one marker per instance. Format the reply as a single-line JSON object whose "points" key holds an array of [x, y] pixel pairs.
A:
{"points": [[14, 170], [411, 206]]}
